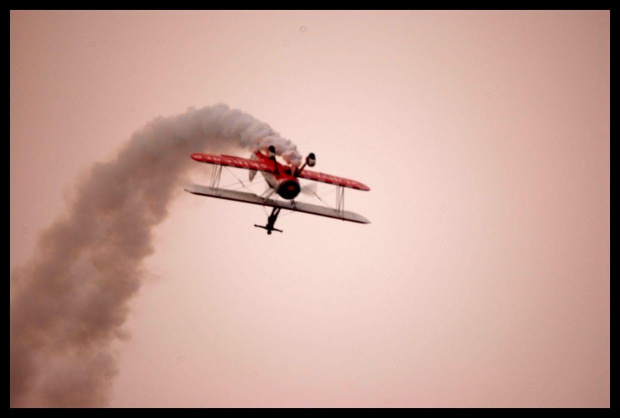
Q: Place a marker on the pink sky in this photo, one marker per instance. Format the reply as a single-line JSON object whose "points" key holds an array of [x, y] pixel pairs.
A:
{"points": [[483, 279]]}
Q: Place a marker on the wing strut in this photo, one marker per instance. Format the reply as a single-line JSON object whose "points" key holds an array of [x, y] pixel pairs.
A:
{"points": [[340, 200], [215, 177]]}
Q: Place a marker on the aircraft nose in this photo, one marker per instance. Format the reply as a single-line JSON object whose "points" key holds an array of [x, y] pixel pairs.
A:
{"points": [[289, 189]]}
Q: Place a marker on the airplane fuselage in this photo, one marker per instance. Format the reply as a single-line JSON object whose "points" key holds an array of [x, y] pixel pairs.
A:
{"points": [[282, 180]]}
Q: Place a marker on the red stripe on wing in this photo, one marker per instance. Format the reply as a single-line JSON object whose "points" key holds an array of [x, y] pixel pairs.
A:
{"points": [[328, 178], [231, 161]]}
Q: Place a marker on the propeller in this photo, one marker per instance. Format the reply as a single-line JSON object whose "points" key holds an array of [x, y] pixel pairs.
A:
{"points": [[309, 189]]}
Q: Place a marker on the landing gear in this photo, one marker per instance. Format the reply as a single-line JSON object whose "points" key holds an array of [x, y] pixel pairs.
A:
{"points": [[271, 220]]}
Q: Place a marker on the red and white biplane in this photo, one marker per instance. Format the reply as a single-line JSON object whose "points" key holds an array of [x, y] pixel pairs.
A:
{"points": [[283, 180]]}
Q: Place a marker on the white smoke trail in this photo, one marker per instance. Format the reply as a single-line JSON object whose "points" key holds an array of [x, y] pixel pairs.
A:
{"points": [[70, 301]]}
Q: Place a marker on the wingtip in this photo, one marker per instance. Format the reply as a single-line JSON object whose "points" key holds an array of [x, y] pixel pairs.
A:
{"points": [[196, 156], [190, 188]]}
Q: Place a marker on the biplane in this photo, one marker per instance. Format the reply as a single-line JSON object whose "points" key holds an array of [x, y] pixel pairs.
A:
{"points": [[283, 180]]}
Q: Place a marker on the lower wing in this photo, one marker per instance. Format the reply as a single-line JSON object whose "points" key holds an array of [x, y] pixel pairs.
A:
{"points": [[289, 205]]}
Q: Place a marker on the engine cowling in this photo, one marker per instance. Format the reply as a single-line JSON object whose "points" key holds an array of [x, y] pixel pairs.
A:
{"points": [[289, 189]]}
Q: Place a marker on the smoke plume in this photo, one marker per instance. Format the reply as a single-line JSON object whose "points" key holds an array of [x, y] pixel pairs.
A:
{"points": [[69, 302]]}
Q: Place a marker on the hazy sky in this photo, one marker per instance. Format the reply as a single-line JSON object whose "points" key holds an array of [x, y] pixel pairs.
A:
{"points": [[483, 279]]}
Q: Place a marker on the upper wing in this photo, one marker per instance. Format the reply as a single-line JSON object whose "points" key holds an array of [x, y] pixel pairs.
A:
{"points": [[328, 178], [284, 204], [231, 161]]}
